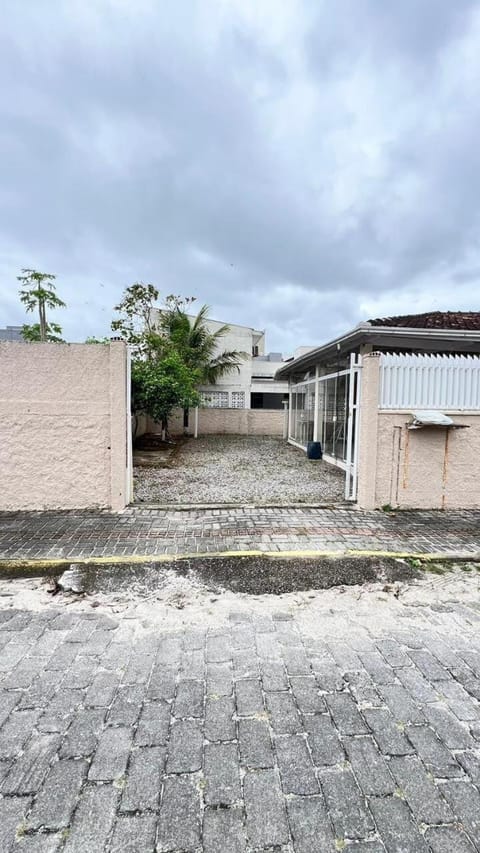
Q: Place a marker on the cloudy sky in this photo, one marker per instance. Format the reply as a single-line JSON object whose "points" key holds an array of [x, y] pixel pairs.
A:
{"points": [[298, 165]]}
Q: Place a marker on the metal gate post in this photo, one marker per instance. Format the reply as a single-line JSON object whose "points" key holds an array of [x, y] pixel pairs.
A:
{"points": [[315, 411], [290, 413], [128, 427], [354, 388]]}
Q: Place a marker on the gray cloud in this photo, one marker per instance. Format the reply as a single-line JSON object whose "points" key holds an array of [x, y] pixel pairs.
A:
{"points": [[295, 166]]}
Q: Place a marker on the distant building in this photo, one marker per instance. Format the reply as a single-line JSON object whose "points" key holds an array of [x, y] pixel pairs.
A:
{"points": [[11, 333]]}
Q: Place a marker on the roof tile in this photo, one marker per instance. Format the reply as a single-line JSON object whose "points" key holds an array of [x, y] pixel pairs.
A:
{"points": [[462, 320]]}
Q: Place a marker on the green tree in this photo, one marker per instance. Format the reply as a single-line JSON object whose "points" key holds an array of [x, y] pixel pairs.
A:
{"points": [[162, 384], [38, 292], [197, 344], [186, 346], [161, 381], [33, 333], [136, 323]]}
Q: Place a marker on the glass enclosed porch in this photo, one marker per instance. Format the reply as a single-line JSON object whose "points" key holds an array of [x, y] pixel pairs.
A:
{"points": [[324, 408]]}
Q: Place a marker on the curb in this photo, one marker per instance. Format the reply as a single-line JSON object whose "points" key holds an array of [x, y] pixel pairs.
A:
{"points": [[247, 505], [56, 563]]}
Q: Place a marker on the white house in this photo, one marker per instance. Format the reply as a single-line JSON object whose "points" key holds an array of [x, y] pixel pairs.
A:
{"points": [[253, 385], [395, 403]]}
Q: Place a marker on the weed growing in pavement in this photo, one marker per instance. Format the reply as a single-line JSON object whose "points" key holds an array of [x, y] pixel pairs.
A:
{"points": [[436, 568]]}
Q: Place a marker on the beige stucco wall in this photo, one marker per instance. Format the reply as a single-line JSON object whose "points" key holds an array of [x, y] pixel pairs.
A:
{"points": [[429, 468], [63, 426], [367, 433], [229, 422]]}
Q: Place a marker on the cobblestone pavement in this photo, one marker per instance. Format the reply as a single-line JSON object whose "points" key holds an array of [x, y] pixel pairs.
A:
{"points": [[232, 468], [150, 532], [289, 725]]}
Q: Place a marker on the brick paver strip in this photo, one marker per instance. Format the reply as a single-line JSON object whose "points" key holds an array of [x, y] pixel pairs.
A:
{"points": [[58, 796], [155, 532], [12, 813], [346, 804], [134, 833], [224, 829], [446, 839], [343, 756]]}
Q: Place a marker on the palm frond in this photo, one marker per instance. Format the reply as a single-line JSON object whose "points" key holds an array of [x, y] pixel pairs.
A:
{"points": [[198, 345], [224, 363], [201, 317], [223, 330]]}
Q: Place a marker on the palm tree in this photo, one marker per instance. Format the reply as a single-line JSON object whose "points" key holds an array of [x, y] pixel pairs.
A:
{"points": [[198, 345]]}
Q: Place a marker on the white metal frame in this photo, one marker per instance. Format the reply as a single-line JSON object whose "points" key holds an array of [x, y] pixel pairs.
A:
{"points": [[128, 427], [350, 465], [353, 425]]}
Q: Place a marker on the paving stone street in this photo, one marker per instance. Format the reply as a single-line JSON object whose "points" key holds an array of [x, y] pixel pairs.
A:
{"points": [[335, 720], [144, 531]]}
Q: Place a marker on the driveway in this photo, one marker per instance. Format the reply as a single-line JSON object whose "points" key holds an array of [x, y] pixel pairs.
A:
{"points": [[181, 720], [239, 469]]}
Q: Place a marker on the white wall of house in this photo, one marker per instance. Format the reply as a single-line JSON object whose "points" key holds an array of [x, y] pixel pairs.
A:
{"points": [[302, 351], [263, 371], [255, 373], [236, 383]]}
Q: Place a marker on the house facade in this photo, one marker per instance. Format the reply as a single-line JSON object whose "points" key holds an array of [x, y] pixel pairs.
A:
{"points": [[253, 385], [360, 394]]}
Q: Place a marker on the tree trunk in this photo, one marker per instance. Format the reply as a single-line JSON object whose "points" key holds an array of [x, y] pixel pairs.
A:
{"points": [[43, 320], [185, 420]]}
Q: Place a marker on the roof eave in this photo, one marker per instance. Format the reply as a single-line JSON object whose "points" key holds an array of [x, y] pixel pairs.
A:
{"points": [[376, 335]]}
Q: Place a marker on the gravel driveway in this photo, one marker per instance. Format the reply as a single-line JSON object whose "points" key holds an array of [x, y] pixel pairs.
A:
{"points": [[224, 469]]}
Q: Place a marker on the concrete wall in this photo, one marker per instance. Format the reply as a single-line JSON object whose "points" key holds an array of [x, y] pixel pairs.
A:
{"points": [[63, 426], [229, 422], [431, 468], [240, 422], [367, 434]]}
